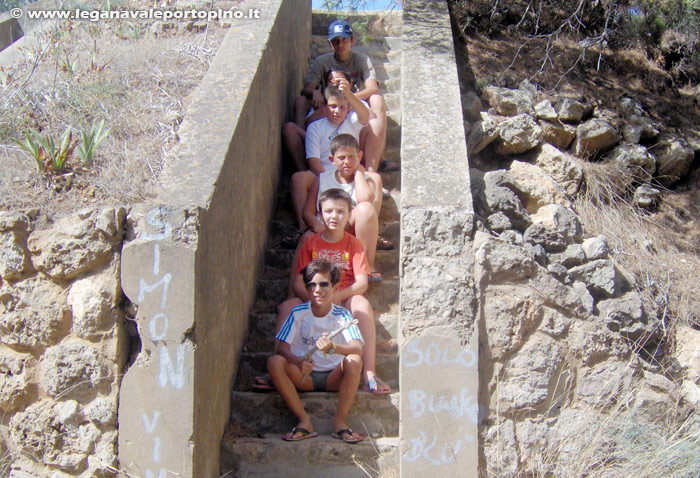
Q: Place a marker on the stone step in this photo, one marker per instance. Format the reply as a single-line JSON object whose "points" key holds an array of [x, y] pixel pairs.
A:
{"points": [[253, 364], [270, 457], [391, 207], [262, 413], [382, 295]]}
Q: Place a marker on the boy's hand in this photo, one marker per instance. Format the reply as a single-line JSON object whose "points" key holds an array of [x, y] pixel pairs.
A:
{"points": [[343, 85], [360, 169], [317, 99], [324, 343], [306, 367]]}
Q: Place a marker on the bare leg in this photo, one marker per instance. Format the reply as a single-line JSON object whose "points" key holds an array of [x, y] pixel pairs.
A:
{"points": [[376, 140], [363, 219], [361, 309], [377, 187], [288, 379], [301, 183], [345, 379], [302, 105], [293, 137]]}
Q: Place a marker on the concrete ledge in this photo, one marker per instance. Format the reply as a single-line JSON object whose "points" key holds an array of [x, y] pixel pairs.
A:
{"points": [[207, 231], [438, 316]]}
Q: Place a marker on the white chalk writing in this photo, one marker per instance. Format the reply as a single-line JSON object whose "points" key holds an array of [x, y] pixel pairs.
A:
{"points": [[458, 405], [144, 287], [154, 218], [150, 426], [434, 354], [153, 326], [176, 373], [433, 453]]}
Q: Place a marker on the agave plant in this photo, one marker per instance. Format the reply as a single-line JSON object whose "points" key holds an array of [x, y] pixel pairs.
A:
{"points": [[91, 140]]}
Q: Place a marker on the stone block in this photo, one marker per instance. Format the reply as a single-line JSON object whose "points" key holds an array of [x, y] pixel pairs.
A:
{"points": [[74, 369]]}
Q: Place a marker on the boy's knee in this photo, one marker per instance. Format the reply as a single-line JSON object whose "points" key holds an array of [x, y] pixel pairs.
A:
{"points": [[302, 102], [365, 209], [353, 363], [290, 129], [275, 363]]}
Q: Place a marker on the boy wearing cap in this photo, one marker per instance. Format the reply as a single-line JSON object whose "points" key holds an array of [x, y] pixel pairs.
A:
{"points": [[363, 78]]}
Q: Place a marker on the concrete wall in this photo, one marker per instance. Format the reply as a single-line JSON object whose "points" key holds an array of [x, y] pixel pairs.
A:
{"points": [[210, 229], [438, 306]]}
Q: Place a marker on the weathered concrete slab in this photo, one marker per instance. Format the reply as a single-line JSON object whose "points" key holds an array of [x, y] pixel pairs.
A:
{"points": [[438, 309]]}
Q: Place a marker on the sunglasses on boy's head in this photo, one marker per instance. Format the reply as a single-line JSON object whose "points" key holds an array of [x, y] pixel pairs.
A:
{"points": [[323, 285]]}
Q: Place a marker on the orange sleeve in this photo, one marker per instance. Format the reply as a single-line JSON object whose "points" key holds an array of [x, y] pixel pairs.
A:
{"points": [[305, 254]]}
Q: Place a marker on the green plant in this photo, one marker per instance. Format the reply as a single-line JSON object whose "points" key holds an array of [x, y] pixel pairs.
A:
{"points": [[58, 153], [47, 153], [91, 140], [32, 146]]}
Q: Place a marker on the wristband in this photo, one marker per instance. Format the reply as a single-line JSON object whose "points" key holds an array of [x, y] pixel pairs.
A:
{"points": [[332, 349]]}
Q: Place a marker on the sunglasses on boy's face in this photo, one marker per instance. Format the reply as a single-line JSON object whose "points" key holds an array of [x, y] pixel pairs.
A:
{"points": [[323, 285], [338, 40]]}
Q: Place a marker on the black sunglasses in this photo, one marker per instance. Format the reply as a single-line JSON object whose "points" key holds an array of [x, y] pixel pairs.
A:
{"points": [[322, 285]]}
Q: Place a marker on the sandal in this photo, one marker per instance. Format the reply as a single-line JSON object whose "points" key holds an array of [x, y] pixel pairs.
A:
{"points": [[384, 244], [375, 276], [387, 166], [305, 434], [373, 387], [347, 436], [291, 241], [263, 383]]}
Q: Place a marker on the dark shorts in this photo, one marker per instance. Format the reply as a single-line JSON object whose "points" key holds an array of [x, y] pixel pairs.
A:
{"points": [[319, 380]]}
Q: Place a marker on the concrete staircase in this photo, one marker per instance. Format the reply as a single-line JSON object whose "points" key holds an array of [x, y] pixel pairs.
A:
{"points": [[252, 445]]}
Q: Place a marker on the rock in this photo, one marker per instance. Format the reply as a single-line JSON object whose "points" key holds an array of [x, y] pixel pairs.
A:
{"points": [[604, 384], [558, 271], [500, 450], [600, 278], [549, 238], [538, 253], [514, 237], [508, 102], [518, 134], [584, 296], [504, 203], [541, 188], [510, 314], [596, 248], [634, 159], [34, 313], [655, 399], [499, 222], [39, 432], [14, 257], [570, 109], [561, 167], [503, 178], [592, 343], [471, 106], [502, 261], [557, 134], [674, 157], [529, 89], [483, 133], [639, 128], [646, 197], [102, 412], [631, 107], [72, 369], [14, 381], [528, 374], [593, 137], [572, 256], [91, 302], [688, 352], [78, 243], [627, 316], [561, 219], [544, 110]]}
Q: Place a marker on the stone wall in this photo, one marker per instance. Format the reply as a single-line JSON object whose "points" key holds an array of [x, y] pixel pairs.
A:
{"points": [[187, 263], [62, 345], [438, 319], [190, 262]]}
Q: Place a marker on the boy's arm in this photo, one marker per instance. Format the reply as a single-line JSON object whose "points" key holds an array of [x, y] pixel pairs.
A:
{"points": [[358, 287], [371, 88], [309, 212], [299, 287], [356, 103], [363, 191], [285, 351], [312, 145], [352, 347]]}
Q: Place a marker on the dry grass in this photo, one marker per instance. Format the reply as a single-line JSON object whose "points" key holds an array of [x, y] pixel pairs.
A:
{"points": [[139, 82], [660, 250]]}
